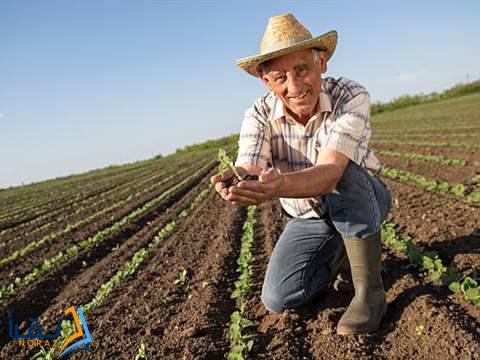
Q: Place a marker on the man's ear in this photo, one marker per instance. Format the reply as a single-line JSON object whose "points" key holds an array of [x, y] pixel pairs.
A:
{"points": [[322, 60], [265, 81]]}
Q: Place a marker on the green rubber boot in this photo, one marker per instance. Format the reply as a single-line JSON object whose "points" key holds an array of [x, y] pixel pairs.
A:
{"points": [[367, 308]]}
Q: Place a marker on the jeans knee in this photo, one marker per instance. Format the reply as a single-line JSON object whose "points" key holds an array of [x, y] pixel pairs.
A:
{"points": [[272, 300], [278, 298]]}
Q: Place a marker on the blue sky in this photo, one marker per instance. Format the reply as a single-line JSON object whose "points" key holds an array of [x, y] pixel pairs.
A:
{"points": [[85, 84]]}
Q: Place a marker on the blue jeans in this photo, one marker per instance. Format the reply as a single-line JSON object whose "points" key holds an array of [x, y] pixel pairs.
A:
{"points": [[298, 268]]}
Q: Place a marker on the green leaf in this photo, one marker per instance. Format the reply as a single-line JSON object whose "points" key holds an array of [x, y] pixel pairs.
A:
{"points": [[472, 294], [235, 317], [427, 263], [455, 287], [468, 283]]}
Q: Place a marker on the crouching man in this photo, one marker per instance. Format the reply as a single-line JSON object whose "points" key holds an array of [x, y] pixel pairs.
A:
{"points": [[307, 140]]}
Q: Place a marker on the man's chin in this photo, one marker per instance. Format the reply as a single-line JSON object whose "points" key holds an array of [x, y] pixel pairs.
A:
{"points": [[303, 112]]}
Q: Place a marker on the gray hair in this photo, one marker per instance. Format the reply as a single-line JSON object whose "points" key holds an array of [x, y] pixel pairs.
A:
{"points": [[264, 67]]}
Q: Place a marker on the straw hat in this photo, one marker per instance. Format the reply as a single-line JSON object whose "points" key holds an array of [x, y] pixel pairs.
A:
{"points": [[285, 35]]}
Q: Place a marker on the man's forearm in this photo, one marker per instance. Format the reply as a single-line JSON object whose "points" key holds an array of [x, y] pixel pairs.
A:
{"points": [[314, 181]]}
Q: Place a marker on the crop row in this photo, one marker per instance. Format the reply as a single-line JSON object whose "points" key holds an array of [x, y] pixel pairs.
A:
{"points": [[74, 183], [73, 250], [88, 189], [128, 270], [44, 204], [425, 157], [429, 144], [241, 343], [416, 129], [70, 227], [112, 203], [423, 135], [60, 192], [431, 184], [85, 205], [431, 265]]}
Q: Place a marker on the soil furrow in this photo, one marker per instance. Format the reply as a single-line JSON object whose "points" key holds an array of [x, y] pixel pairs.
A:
{"points": [[176, 321], [276, 336], [82, 286], [89, 190], [22, 265], [36, 296], [71, 207]]}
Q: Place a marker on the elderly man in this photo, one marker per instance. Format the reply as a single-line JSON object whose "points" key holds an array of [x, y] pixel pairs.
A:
{"points": [[307, 139]]}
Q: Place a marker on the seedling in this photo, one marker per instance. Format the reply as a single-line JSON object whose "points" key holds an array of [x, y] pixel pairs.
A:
{"points": [[181, 279], [225, 162], [142, 353], [420, 330], [43, 354], [241, 343]]}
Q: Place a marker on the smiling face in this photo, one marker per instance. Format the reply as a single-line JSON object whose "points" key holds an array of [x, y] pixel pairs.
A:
{"points": [[296, 79]]}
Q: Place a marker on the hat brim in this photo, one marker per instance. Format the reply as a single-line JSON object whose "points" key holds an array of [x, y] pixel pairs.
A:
{"points": [[327, 42]]}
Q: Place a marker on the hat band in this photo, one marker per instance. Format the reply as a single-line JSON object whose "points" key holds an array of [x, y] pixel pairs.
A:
{"points": [[279, 45]]}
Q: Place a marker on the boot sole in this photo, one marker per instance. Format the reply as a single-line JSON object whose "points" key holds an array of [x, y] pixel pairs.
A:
{"points": [[365, 330]]}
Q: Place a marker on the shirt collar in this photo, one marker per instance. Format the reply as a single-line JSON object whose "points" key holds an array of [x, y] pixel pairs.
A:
{"points": [[324, 105]]}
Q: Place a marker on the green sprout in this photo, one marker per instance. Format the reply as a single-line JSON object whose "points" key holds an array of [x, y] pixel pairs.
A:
{"points": [[181, 279], [420, 330], [226, 163], [142, 353]]}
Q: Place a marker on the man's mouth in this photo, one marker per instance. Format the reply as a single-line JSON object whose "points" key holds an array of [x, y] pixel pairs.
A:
{"points": [[299, 97]]}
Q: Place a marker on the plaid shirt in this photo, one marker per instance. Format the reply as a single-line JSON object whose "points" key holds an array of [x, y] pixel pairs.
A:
{"points": [[269, 138]]}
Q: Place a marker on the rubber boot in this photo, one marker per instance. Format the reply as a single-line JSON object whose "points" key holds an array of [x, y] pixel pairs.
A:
{"points": [[367, 308], [340, 271]]}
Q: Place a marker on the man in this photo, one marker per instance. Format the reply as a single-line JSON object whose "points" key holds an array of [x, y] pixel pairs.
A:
{"points": [[307, 139]]}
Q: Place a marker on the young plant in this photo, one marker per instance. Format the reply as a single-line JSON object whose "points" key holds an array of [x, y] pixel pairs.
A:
{"points": [[420, 330], [142, 353], [226, 163], [241, 342], [469, 287], [181, 279]]}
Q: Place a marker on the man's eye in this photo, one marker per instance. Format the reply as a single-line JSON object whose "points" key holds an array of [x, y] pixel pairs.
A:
{"points": [[280, 79], [302, 72]]}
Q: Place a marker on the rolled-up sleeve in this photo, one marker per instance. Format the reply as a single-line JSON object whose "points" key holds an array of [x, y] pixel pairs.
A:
{"points": [[254, 143], [351, 129]]}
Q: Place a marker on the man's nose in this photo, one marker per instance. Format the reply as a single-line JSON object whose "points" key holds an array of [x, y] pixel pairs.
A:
{"points": [[294, 84]]}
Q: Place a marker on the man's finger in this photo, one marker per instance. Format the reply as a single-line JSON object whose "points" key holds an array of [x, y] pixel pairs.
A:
{"points": [[267, 175], [247, 193], [219, 186], [214, 179], [253, 185], [241, 200]]}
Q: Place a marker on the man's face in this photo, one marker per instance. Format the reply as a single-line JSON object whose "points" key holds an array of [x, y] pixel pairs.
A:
{"points": [[296, 79]]}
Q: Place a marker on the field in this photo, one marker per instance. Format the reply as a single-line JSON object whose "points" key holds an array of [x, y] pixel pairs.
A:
{"points": [[151, 254]]}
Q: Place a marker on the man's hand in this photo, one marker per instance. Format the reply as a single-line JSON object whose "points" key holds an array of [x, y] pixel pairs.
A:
{"points": [[253, 192], [219, 182]]}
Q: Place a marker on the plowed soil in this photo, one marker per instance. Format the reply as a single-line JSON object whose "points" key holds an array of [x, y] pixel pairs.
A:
{"points": [[190, 321]]}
